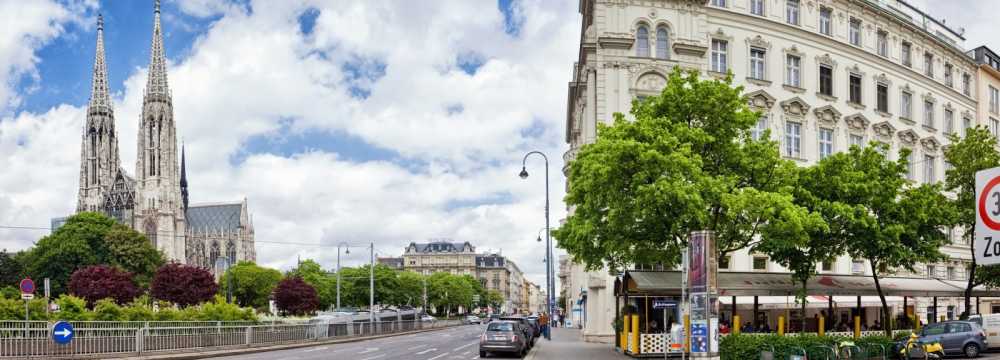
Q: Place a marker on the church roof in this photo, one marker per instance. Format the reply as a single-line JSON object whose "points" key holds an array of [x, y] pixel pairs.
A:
{"points": [[214, 217]]}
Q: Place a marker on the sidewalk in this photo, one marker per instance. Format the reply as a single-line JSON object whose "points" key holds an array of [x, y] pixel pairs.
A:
{"points": [[567, 344]]}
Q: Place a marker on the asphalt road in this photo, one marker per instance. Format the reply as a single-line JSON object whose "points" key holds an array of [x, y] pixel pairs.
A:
{"points": [[461, 342]]}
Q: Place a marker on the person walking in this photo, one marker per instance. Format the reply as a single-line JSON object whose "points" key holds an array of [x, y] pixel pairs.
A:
{"points": [[544, 320]]}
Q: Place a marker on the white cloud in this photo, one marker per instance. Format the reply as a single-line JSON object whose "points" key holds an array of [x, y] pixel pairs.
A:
{"points": [[252, 70]]}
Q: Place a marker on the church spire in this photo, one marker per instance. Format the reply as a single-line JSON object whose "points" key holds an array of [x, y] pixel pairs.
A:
{"points": [[156, 83], [99, 96], [184, 181]]}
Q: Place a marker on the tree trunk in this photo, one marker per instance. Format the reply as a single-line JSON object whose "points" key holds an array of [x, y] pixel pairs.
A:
{"points": [[885, 305], [804, 296], [971, 284]]}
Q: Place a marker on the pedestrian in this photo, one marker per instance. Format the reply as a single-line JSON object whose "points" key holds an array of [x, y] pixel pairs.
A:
{"points": [[544, 320]]}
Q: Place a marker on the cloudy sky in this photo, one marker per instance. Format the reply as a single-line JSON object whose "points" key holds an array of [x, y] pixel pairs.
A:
{"points": [[339, 121]]}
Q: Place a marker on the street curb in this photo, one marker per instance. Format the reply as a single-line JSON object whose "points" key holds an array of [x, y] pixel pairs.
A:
{"points": [[534, 351], [251, 350]]}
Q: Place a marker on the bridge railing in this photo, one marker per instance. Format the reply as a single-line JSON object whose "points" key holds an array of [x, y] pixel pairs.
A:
{"points": [[25, 339]]}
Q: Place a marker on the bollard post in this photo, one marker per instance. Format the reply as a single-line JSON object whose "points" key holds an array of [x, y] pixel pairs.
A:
{"points": [[781, 325], [822, 326], [736, 325], [625, 330], [687, 333], [249, 335], [857, 326], [635, 334]]}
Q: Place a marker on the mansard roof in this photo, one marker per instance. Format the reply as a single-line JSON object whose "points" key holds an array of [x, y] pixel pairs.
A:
{"points": [[490, 260], [440, 247], [214, 217]]}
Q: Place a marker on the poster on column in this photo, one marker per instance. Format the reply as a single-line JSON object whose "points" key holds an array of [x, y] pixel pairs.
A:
{"points": [[699, 336]]}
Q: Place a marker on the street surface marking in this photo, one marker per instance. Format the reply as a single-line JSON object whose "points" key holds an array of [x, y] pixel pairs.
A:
{"points": [[467, 352], [316, 349], [374, 357], [368, 350], [427, 351], [463, 346], [438, 357], [418, 346]]}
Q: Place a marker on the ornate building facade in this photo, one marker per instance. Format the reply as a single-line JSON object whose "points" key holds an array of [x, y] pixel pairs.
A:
{"points": [[826, 74], [155, 201]]}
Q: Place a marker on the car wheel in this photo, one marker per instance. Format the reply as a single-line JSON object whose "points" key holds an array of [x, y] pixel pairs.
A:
{"points": [[971, 350], [483, 354]]}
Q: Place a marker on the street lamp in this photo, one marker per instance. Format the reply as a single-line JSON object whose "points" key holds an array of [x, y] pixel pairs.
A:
{"points": [[348, 252], [550, 301]]}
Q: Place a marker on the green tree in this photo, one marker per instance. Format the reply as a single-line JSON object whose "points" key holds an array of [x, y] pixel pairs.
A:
{"points": [[356, 285], [448, 291], [252, 284], [411, 289], [133, 252], [877, 214], [494, 299], [11, 269], [325, 283], [975, 152], [57, 256], [687, 162]]}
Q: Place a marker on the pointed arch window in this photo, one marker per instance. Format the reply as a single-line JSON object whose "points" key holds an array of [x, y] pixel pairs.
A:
{"points": [[642, 41], [151, 233], [231, 252], [662, 42], [214, 254]]}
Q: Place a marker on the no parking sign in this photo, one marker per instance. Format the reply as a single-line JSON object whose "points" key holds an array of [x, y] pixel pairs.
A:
{"points": [[987, 242]]}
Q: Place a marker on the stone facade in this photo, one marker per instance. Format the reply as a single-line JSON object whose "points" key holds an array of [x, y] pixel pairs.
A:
{"points": [[827, 74], [155, 201]]}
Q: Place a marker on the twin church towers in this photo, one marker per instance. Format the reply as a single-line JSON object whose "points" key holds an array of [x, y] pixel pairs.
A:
{"points": [[154, 201]]}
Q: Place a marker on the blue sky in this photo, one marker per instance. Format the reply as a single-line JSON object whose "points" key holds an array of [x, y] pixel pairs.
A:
{"points": [[343, 121]]}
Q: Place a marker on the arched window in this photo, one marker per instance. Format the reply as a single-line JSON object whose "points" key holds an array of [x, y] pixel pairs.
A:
{"points": [[231, 252], [642, 41], [662, 43], [151, 126], [93, 142], [150, 229], [214, 254]]}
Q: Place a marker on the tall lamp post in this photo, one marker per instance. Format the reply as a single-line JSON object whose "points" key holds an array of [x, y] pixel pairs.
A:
{"points": [[550, 301], [348, 252], [371, 287]]}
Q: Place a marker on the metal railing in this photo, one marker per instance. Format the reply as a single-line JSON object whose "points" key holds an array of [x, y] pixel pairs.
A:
{"points": [[21, 339]]}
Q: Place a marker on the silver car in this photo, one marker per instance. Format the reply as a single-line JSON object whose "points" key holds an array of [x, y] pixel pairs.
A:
{"points": [[503, 337], [472, 319], [957, 337]]}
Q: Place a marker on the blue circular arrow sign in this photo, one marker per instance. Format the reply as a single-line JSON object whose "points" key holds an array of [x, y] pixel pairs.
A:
{"points": [[62, 333]]}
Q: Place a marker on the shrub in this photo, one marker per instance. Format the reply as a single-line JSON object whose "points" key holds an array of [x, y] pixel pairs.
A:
{"points": [[743, 346], [98, 282], [294, 296], [220, 310], [72, 308], [183, 285], [11, 309], [10, 292], [108, 310]]}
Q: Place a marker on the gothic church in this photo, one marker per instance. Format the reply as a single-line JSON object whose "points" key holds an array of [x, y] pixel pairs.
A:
{"points": [[155, 201]]}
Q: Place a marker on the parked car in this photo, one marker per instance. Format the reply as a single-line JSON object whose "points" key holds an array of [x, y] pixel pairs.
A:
{"points": [[536, 326], [427, 318], [991, 325], [494, 317], [503, 337], [957, 337], [526, 327], [472, 319]]}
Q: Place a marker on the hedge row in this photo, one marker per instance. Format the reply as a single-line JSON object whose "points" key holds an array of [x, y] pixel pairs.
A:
{"points": [[72, 308], [743, 347]]}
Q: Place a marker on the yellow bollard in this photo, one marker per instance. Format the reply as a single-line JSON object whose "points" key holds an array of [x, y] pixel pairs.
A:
{"points": [[625, 330], [822, 326], [942, 318], [857, 327], [781, 325], [635, 334], [735, 329], [687, 333]]}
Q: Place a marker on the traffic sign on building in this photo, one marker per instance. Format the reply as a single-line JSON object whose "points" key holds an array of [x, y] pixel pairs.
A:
{"points": [[987, 242]]}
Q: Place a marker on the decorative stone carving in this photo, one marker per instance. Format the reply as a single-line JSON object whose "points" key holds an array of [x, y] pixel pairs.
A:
{"points": [[930, 143], [928, 96], [857, 121], [908, 136], [651, 81], [760, 99], [590, 35], [826, 59], [759, 42], [827, 114], [795, 106], [884, 129], [794, 50], [883, 79]]}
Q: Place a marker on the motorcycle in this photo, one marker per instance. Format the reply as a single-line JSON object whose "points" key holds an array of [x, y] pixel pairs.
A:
{"points": [[913, 348]]}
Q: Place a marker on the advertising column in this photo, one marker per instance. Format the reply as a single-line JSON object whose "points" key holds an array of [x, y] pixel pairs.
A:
{"points": [[703, 294]]}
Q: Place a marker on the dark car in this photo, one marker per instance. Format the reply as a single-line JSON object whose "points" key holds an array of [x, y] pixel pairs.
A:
{"points": [[529, 330], [503, 337], [533, 320], [956, 337]]}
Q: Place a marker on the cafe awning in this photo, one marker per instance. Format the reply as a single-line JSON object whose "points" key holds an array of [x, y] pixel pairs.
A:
{"points": [[667, 283]]}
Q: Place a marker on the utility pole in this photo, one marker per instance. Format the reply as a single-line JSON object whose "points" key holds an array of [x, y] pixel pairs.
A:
{"points": [[371, 286], [425, 293]]}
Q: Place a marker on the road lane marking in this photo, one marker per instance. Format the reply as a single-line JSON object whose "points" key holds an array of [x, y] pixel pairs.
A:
{"points": [[374, 357], [464, 346], [438, 357], [368, 350], [467, 352], [316, 349], [418, 346], [427, 351]]}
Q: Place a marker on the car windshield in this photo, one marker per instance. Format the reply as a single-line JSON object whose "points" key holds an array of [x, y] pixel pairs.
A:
{"points": [[505, 326]]}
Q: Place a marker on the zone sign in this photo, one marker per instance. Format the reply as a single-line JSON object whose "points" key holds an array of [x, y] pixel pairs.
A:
{"points": [[987, 242]]}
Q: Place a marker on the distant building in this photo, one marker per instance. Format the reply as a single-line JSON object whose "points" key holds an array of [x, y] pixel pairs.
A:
{"points": [[395, 263], [58, 222], [440, 256]]}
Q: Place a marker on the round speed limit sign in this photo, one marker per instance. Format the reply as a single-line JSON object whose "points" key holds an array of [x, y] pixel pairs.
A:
{"points": [[987, 242]]}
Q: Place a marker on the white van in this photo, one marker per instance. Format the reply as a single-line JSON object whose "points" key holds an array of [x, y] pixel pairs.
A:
{"points": [[991, 326]]}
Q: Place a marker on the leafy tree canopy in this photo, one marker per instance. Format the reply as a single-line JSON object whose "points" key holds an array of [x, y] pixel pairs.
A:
{"points": [[99, 282], [296, 297], [183, 285], [252, 284]]}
